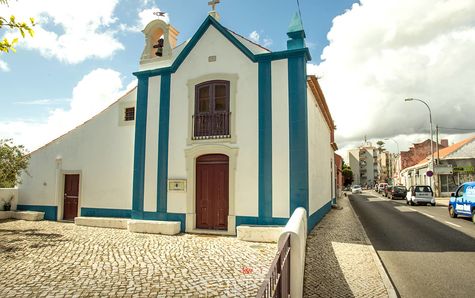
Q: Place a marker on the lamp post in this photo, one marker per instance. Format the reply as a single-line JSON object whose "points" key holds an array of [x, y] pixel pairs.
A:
{"points": [[430, 120]]}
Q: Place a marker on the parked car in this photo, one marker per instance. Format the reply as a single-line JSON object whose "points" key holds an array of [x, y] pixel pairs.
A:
{"points": [[462, 201], [398, 191], [381, 187], [418, 194], [356, 189], [386, 190]]}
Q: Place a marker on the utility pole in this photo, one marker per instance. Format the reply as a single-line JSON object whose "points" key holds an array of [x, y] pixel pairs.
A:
{"points": [[437, 161]]}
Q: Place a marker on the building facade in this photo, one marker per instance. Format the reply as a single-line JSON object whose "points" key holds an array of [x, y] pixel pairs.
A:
{"points": [[224, 133], [364, 165], [457, 165]]}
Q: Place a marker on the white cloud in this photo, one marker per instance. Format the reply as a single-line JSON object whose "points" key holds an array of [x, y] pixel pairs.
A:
{"points": [[145, 16], [4, 66], [381, 52], [96, 91], [70, 31], [256, 37]]}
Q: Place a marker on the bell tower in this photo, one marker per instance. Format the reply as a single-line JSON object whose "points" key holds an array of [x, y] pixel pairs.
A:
{"points": [[160, 39]]}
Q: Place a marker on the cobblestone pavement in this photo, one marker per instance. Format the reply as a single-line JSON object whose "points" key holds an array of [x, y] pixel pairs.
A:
{"points": [[52, 259], [339, 262]]}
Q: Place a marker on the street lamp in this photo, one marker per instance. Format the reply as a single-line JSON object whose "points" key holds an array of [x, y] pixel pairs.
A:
{"points": [[430, 120], [397, 144]]}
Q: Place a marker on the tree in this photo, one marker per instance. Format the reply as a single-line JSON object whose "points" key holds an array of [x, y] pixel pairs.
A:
{"points": [[8, 45], [347, 174], [13, 160]]}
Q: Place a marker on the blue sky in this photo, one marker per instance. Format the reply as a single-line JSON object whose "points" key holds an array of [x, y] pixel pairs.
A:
{"points": [[368, 54], [37, 82]]}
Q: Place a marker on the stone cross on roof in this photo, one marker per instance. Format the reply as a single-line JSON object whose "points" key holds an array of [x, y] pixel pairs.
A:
{"points": [[213, 3]]}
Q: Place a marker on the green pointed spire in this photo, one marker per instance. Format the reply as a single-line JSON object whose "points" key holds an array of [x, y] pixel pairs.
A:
{"points": [[296, 33], [296, 23]]}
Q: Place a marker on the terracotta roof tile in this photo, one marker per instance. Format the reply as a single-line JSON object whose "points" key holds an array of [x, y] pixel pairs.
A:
{"points": [[446, 151]]}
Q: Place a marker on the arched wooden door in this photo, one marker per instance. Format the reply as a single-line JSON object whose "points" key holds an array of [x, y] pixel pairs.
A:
{"points": [[212, 192]]}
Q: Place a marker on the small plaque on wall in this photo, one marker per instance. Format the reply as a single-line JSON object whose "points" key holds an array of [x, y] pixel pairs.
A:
{"points": [[177, 185]]}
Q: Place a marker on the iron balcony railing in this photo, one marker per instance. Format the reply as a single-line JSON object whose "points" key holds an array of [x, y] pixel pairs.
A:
{"points": [[211, 126], [277, 281]]}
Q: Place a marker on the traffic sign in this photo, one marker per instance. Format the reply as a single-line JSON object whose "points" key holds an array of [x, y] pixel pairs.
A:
{"points": [[429, 173]]}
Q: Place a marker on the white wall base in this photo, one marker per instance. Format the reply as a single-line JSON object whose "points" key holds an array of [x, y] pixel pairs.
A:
{"points": [[259, 233], [154, 227], [102, 222]]}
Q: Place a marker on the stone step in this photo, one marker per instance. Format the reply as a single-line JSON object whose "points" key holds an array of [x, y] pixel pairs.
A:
{"points": [[24, 215], [251, 233], [154, 227], [102, 222]]}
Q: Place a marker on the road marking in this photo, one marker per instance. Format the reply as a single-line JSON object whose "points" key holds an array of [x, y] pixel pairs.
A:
{"points": [[453, 224], [413, 209], [428, 215]]}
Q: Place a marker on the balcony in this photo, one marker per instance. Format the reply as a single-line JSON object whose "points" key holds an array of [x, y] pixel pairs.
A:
{"points": [[211, 126]]}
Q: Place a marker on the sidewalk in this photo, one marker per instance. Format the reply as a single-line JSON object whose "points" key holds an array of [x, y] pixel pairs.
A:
{"points": [[442, 201], [340, 260]]}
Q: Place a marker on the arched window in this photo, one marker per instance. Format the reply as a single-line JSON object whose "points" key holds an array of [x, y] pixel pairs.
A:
{"points": [[211, 118]]}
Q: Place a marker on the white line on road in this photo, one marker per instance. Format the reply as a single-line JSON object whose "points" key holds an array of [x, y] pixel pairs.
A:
{"points": [[413, 209], [453, 224], [428, 215]]}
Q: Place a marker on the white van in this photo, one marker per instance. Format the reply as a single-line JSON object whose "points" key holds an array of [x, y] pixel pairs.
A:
{"points": [[420, 194]]}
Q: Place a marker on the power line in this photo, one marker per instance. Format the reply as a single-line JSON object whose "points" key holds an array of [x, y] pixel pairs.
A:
{"points": [[300, 13], [455, 128]]}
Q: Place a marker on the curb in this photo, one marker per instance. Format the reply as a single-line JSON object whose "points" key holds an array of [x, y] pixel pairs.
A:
{"points": [[382, 272]]}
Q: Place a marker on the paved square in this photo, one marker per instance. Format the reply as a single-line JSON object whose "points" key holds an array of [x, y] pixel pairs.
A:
{"points": [[63, 260]]}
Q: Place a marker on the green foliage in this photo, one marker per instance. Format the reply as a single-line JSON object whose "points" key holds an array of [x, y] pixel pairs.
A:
{"points": [[13, 160], [347, 174], [8, 45]]}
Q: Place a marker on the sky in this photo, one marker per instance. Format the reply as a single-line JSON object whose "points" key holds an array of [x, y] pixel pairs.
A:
{"points": [[368, 55]]}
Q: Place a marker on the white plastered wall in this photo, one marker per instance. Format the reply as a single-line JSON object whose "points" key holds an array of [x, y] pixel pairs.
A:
{"points": [[151, 143], [230, 62], [280, 140], [100, 150], [320, 157]]}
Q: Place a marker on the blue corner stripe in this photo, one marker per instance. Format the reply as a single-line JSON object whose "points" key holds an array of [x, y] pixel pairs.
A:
{"points": [[51, 212], [105, 212], [298, 134], [265, 140], [163, 134], [139, 147], [318, 215]]}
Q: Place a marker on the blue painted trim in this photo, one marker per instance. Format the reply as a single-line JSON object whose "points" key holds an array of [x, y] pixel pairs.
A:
{"points": [[51, 212], [285, 55], [181, 217], [298, 133], [163, 135], [253, 220], [265, 140], [106, 212], [318, 215], [140, 144], [210, 21]]}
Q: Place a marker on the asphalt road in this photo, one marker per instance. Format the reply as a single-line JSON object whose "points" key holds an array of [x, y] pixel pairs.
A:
{"points": [[424, 251]]}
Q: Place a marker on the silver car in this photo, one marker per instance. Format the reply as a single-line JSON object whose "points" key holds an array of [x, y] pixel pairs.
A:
{"points": [[356, 189], [420, 194]]}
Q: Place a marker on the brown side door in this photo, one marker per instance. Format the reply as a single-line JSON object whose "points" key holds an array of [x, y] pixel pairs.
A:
{"points": [[71, 196], [212, 190]]}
